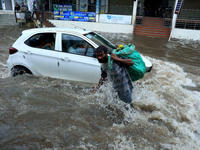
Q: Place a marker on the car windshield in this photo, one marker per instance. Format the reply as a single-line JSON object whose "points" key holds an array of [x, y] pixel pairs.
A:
{"points": [[100, 41]]}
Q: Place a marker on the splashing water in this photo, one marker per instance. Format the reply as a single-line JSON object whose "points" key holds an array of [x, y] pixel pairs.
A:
{"points": [[46, 113], [162, 106], [4, 73]]}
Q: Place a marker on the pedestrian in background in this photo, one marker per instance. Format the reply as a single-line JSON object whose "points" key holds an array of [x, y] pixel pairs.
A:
{"points": [[24, 7], [34, 8], [17, 8]]}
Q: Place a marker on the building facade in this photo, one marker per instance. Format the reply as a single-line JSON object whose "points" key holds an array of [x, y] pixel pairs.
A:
{"points": [[10, 4], [176, 14]]}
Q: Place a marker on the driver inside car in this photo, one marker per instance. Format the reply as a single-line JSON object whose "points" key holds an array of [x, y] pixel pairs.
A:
{"points": [[77, 48]]}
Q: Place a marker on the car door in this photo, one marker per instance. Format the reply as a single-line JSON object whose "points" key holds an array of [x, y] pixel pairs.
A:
{"points": [[40, 56], [78, 64]]}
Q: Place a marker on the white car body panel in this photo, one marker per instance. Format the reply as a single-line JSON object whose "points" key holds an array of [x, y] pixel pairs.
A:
{"points": [[79, 68], [43, 62], [148, 64], [39, 61], [55, 63], [76, 67]]}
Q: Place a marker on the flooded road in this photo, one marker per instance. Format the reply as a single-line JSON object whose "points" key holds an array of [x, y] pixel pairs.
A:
{"points": [[46, 113]]}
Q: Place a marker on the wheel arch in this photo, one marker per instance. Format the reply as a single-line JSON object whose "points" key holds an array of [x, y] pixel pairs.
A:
{"points": [[24, 67]]}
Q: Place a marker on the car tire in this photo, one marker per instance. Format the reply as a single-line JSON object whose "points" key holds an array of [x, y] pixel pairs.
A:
{"points": [[19, 70]]}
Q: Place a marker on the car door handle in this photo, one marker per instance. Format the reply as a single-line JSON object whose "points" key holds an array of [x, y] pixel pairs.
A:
{"points": [[28, 52], [65, 59]]}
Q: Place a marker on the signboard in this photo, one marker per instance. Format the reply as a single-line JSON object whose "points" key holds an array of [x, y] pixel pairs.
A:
{"points": [[64, 12], [84, 5], [117, 19], [57, 8], [103, 6], [20, 17], [178, 6], [76, 16]]}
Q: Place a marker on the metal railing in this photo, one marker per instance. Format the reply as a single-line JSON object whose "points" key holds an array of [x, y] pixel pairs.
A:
{"points": [[139, 20], [188, 24], [167, 22], [189, 19], [165, 13], [193, 14]]}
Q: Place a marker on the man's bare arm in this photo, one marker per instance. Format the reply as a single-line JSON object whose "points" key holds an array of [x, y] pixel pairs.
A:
{"points": [[127, 62], [101, 81]]}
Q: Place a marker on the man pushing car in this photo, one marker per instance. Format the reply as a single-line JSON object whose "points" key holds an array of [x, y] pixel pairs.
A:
{"points": [[118, 75]]}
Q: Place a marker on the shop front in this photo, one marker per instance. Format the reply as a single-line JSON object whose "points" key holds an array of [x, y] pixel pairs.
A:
{"points": [[78, 5], [155, 8], [103, 11], [75, 11], [6, 4], [78, 10]]}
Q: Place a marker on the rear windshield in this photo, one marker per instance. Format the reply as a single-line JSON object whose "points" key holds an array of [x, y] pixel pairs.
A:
{"points": [[99, 40]]}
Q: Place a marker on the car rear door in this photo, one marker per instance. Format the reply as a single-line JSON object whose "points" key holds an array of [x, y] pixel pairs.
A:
{"points": [[42, 61], [77, 67]]}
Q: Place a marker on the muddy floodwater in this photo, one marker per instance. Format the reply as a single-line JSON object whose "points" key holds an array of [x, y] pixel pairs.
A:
{"points": [[46, 113]]}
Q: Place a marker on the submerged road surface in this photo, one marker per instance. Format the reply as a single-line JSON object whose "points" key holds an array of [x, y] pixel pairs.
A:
{"points": [[46, 113]]}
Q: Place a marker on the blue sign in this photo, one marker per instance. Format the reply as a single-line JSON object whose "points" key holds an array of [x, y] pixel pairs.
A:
{"points": [[109, 17], [178, 6], [64, 12], [62, 7], [75, 16]]}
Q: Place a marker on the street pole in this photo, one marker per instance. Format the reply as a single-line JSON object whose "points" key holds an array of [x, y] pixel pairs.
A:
{"points": [[40, 6], [97, 10], [173, 20], [135, 5]]}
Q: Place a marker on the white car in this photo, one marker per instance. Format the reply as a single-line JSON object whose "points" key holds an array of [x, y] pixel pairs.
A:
{"points": [[64, 53]]}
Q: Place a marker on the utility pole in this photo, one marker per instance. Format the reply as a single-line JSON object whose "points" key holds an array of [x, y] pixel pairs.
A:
{"points": [[40, 6], [135, 5]]}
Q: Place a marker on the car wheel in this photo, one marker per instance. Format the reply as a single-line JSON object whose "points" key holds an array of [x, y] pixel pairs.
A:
{"points": [[19, 71]]}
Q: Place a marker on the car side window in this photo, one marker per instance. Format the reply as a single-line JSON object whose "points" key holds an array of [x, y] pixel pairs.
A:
{"points": [[42, 40], [76, 45]]}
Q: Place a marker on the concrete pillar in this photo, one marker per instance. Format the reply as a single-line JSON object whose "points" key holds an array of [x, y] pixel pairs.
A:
{"points": [[50, 5], [97, 10], [13, 4], [30, 5], [3, 5], [135, 2], [77, 5], [106, 11], [173, 20]]}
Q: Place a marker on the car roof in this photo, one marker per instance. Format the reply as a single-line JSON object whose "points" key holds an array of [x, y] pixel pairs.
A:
{"points": [[56, 29]]}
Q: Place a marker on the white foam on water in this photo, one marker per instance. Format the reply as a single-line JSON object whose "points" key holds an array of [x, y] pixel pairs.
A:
{"points": [[85, 146], [161, 99], [4, 73], [183, 43], [122, 142]]}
